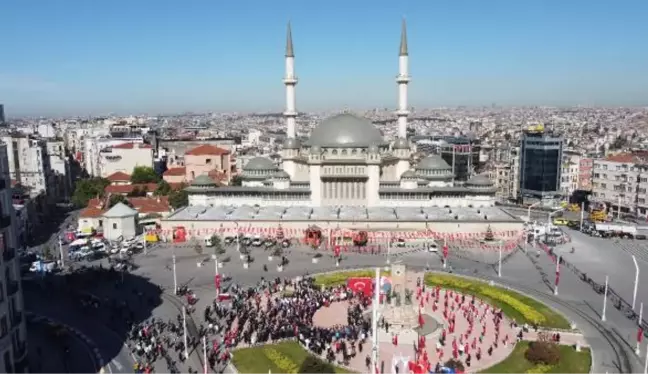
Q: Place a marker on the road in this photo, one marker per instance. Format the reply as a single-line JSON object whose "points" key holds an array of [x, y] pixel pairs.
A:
{"points": [[612, 341]]}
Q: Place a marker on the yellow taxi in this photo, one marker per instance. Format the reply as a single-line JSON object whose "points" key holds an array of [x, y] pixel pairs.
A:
{"points": [[560, 222]]}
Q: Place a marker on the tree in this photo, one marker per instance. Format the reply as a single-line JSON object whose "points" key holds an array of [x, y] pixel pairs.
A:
{"points": [[163, 188], [138, 192], [218, 245], [489, 234], [48, 253], [313, 365], [237, 181], [198, 248], [87, 189], [178, 199], [116, 199], [144, 174]]}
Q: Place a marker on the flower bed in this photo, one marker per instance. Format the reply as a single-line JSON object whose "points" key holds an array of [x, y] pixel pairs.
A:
{"points": [[286, 357], [570, 362], [518, 307], [339, 278]]}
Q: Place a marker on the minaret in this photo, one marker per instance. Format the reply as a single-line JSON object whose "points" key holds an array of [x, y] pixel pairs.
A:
{"points": [[403, 79], [291, 145], [290, 81], [401, 148]]}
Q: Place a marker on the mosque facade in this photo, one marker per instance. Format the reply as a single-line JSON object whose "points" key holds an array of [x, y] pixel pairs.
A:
{"points": [[346, 162]]}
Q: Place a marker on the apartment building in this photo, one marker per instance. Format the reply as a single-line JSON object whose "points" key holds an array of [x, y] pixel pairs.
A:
{"points": [[29, 163], [570, 172], [207, 159], [92, 150], [621, 182], [124, 158], [60, 165], [506, 175], [585, 168], [13, 334]]}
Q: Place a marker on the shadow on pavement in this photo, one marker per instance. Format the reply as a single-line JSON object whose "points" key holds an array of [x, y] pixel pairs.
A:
{"points": [[102, 304], [44, 232]]}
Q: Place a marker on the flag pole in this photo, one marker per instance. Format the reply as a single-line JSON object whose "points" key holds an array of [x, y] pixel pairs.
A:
{"points": [[374, 322]]}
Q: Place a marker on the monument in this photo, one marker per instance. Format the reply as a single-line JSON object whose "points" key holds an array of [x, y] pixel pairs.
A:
{"points": [[399, 311]]}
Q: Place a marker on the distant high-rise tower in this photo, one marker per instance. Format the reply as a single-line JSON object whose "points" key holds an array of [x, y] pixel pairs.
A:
{"points": [[540, 164], [2, 115]]}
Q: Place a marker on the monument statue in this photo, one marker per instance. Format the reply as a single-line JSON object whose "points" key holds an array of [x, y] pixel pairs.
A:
{"points": [[400, 313]]}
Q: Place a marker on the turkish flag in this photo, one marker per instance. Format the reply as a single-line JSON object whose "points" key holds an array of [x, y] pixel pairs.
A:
{"points": [[421, 321], [557, 278], [395, 340], [337, 251], [217, 281], [640, 334], [360, 285], [445, 251]]}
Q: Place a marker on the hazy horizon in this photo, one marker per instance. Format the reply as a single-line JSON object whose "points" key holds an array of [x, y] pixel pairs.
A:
{"points": [[74, 58]]}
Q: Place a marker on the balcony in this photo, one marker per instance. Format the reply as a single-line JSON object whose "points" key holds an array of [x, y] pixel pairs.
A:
{"points": [[8, 254], [12, 287], [5, 221]]}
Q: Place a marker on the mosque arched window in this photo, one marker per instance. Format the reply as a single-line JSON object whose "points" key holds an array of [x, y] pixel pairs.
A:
{"points": [[334, 152], [344, 152]]}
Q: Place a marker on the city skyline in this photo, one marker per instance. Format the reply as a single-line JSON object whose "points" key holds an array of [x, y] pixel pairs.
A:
{"points": [[120, 57]]}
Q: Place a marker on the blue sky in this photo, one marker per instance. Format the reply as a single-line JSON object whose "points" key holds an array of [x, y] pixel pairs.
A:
{"points": [[163, 56]]}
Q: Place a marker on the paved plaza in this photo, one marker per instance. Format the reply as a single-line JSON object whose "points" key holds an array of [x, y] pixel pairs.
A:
{"points": [[612, 341]]}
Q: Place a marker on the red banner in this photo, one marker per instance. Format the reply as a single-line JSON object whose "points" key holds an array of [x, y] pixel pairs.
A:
{"points": [[364, 285]]}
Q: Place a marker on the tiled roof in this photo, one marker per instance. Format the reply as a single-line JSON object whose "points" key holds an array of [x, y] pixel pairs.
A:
{"points": [[119, 176], [207, 149], [93, 210], [636, 157], [145, 205], [132, 145], [179, 171]]}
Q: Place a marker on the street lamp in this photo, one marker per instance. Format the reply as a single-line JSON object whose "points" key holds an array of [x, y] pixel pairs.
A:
{"points": [[529, 210], [636, 282]]}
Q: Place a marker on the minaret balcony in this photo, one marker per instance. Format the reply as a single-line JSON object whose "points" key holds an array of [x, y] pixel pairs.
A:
{"points": [[290, 80], [402, 79], [290, 114], [402, 112]]}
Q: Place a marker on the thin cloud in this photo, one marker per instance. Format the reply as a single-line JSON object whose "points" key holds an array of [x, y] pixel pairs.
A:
{"points": [[26, 84]]}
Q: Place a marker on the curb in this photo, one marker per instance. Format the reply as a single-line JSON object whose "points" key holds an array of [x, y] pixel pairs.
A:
{"points": [[95, 351]]}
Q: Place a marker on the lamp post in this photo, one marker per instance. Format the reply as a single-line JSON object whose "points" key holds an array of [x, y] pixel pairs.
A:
{"points": [[184, 328], [638, 349], [175, 275], [582, 215], [499, 263], [636, 282], [605, 299], [529, 210], [374, 322], [557, 275]]}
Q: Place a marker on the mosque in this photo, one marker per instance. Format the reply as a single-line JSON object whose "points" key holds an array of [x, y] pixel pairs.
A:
{"points": [[345, 172]]}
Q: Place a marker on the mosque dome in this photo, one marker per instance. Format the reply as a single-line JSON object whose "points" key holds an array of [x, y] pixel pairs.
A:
{"points": [[203, 181], [433, 162], [410, 174], [281, 175], [480, 180], [260, 164], [345, 130]]}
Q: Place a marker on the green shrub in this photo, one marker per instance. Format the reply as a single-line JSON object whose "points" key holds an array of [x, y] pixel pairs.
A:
{"points": [[543, 353]]}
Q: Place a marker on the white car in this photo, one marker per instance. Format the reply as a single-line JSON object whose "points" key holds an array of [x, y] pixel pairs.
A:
{"points": [[433, 247]]}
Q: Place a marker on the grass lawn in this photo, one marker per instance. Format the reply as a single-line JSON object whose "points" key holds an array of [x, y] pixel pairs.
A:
{"points": [[338, 278], [570, 362], [516, 306], [285, 357]]}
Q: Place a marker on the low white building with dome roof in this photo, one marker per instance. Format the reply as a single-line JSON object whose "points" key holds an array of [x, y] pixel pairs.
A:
{"points": [[346, 161]]}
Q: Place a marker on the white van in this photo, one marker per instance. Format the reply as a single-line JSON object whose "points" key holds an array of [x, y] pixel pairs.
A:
{"points": [[257, 241], [433, 247], [208, 241]]}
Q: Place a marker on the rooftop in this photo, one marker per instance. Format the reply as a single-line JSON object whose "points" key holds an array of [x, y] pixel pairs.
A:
{"points": [[302, 213], [207, 150], [132, 146], [119, 176]]}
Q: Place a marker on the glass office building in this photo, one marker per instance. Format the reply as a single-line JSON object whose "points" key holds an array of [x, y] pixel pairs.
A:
{"points": [[540, 164]]}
